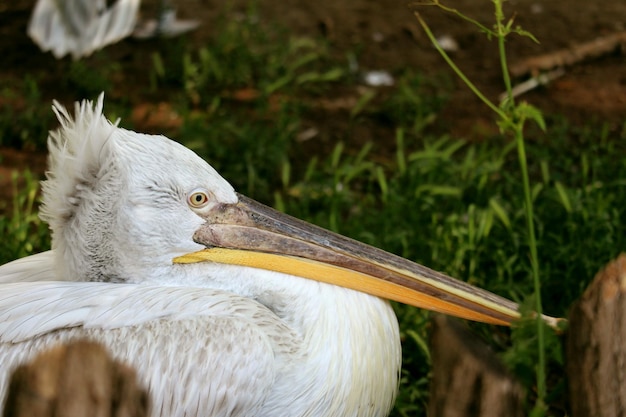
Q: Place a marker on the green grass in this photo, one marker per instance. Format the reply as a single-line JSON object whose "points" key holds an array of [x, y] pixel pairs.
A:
{"points": [[24, 119], [439, 200], [21, 230]]}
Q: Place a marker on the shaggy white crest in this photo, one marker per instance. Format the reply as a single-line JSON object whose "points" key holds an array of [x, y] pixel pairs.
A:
{"points": [[75, 154], [116, 200]]}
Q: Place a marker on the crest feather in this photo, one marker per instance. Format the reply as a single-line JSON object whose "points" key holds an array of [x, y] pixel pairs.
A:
{"points": [[76, 151]]}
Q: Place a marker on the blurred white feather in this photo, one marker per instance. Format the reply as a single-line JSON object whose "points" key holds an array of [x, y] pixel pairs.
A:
{"points": [[80, 27]]}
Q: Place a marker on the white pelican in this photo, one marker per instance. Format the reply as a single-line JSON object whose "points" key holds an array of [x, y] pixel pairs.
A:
{"points": [[80, 27], [225, 307]]}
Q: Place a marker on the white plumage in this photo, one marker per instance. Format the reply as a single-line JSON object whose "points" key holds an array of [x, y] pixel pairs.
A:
{"points": [[155, 256], [207, 339], [206, 352], [81, 27]]}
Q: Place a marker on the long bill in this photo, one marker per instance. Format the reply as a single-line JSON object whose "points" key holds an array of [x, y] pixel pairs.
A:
{"points": [[248, 233]]}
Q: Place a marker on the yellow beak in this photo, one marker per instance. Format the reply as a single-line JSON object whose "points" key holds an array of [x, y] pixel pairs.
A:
{"points": [[250, 234]]}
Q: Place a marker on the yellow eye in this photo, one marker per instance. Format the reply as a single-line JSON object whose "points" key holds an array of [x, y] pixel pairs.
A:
{"points": [[198, 199]]}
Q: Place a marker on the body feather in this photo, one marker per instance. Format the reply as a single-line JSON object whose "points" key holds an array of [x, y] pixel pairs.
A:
{"points": [[206, 339]]}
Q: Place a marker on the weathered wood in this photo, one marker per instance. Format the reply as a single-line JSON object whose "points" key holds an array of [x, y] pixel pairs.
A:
{"points": [[468, 379], [569, 56], [75, 380], [596, 346]]}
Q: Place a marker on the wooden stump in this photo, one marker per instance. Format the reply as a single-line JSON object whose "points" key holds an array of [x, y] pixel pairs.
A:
{"points": [[468, 379], [75, 380], [596, 346]]}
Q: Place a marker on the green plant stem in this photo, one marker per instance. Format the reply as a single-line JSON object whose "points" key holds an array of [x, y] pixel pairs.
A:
{"points": [[511, 122], [502, 50], [456, 69], [534, 261], [528, 206], [458, 14]]}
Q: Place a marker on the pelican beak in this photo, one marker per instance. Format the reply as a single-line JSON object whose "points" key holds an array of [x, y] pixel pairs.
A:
{"points": [[248, 233]]}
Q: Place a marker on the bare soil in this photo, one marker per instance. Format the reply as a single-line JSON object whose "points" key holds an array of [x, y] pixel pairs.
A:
{"points": [[388, 37]]}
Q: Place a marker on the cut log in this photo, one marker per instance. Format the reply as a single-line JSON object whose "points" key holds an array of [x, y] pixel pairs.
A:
{"points": [[596, 346], [75, 380], [468, 379]]}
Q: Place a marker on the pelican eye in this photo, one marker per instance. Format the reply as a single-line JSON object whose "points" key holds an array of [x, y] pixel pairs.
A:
{"points": [[198, 199]]}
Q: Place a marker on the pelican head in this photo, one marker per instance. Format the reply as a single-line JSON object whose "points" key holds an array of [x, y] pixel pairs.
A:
{"points": [[130, 207], [121, 205]]}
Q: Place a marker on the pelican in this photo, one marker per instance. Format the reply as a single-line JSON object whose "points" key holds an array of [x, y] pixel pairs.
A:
{"points": [[80, 27], [225, 307]]}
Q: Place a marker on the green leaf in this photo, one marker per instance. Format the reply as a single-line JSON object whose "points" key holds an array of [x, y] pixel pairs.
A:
{"points": [[382, 182], [525, 111], [365, 98], [563, 196], [421, 342], [500, 212], [441, 190], [535, 191]]}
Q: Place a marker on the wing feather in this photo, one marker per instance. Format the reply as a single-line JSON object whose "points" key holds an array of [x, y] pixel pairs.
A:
{"points": [[214, 352], [39, 267], [30, 309]]}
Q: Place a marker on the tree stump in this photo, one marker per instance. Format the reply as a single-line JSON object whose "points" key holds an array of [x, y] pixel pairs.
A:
{"points": [[596, 346], [75, 380], [468, 379]]}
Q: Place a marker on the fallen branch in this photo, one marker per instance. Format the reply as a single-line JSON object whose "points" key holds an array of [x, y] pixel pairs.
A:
{"points": [[532, 83], [569, 56]]}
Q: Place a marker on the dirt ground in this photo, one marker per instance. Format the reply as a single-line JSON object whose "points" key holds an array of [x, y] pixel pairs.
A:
{"points": [[390, 39]]}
